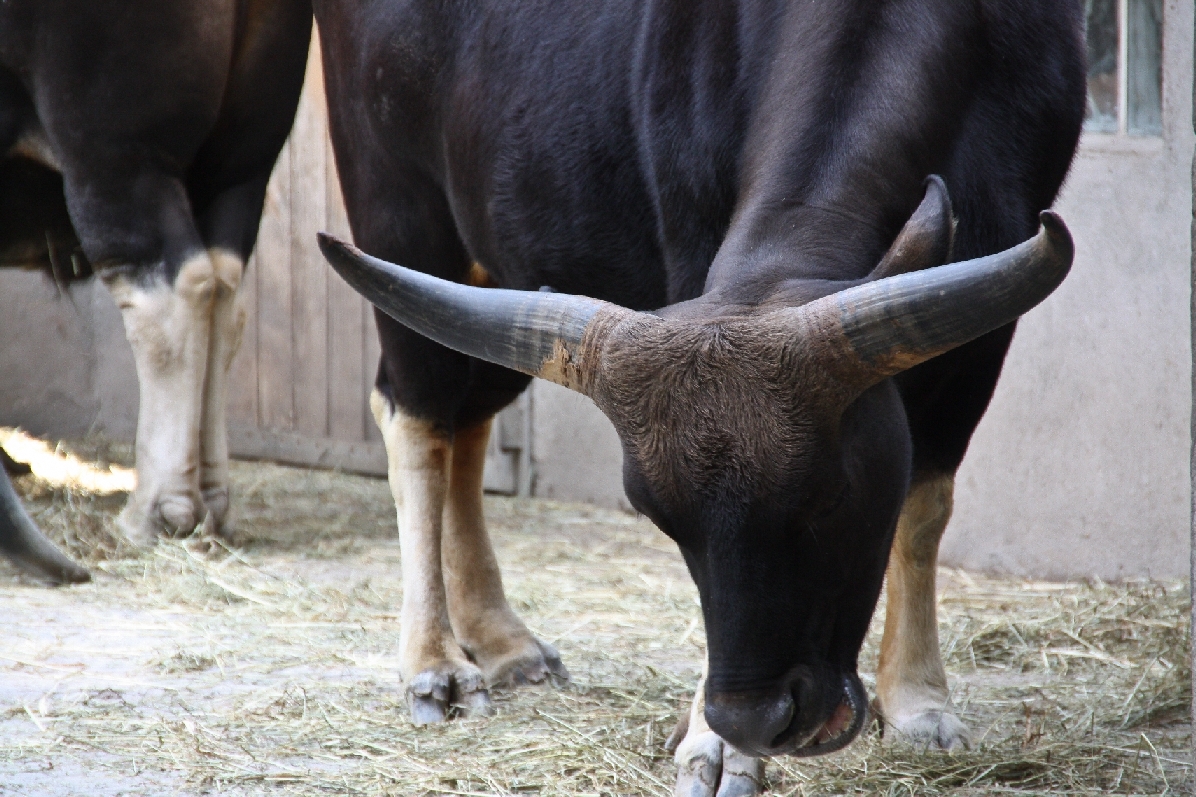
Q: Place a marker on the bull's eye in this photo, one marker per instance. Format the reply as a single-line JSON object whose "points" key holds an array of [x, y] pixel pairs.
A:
{"points": [[832, 505]]}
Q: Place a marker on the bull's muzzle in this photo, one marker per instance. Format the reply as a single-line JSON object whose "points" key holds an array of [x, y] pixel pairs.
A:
{"points": [[804, 716]]}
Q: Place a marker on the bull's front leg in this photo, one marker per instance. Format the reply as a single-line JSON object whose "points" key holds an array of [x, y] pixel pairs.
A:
{"points": [[228, 324], [706, 765], [483, 622], [438, 674], [168, 325], [911, 683]]}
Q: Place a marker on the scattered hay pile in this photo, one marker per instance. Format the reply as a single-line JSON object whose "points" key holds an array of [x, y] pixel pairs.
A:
{"points": [[1068, 688], [272, 669]]}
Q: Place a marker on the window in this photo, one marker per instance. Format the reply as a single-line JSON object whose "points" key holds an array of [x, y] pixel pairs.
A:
{"points": [[1125, 67]]}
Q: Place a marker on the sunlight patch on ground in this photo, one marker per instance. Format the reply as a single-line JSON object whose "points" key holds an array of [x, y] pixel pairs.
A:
{"points": [[58, 468]]}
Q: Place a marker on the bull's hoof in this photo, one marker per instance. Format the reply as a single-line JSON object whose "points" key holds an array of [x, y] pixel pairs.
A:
{"points": [[709, 767], [929, 729], [137, 527], [216, 502], [437, 695], [174, 515], [531, 662]]}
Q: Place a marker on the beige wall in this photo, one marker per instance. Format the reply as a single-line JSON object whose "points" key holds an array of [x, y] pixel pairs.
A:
{"points": [[1079, 469], [1081, 465], [65, 367]]}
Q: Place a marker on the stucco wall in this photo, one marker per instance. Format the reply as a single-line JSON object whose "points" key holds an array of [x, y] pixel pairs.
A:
{"points": [[65, 368], [1081, 465]]}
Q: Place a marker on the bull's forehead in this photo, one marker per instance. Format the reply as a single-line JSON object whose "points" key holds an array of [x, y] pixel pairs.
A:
{"points": [[704, 406]]}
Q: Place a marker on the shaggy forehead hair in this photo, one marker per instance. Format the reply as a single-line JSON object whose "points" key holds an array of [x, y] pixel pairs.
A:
{"points": [[735, 406]]}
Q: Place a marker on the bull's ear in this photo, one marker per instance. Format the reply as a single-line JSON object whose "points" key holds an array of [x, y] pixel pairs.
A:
{"points": [[926, 239], [874, 330]]}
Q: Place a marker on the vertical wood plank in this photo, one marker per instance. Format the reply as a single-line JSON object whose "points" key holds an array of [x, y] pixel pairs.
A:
{"points": [[275, 377], [309, 327], [242, 387], [347, 415]]}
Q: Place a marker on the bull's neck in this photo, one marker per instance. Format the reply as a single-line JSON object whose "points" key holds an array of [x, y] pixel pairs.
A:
{"points": [[854, 110], [778, 240]]}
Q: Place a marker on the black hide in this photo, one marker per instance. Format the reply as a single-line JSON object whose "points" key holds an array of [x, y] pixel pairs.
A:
{"points": [[711, 158], [161, 122]]}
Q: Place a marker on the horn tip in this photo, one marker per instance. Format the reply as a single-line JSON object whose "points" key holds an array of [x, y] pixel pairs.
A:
{"points": [[332, 246], [936, 187], [1051, 219], [1057, 233]]}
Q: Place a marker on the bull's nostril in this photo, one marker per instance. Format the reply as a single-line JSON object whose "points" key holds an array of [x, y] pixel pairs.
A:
{"points": [[806, 714], [753, 724]]}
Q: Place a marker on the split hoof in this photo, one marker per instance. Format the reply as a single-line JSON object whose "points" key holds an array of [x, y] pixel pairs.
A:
{"points": [[216, 502], [936, 729], [534, 667], [519, 661], [709, 767], [438, 695], [168, 516]]}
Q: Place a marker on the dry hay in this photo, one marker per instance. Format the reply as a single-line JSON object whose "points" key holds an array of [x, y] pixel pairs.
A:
{"points": [[271, 669]]}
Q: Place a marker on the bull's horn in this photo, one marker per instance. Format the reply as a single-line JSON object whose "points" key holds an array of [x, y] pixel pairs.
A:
{"points": [[925, 240], [553, 336], [23, 543], [880, 328]]}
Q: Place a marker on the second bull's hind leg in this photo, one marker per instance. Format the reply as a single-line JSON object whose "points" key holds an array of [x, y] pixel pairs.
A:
{"points": [[228, 324], [483, 622], [168, 327], [911, 682]]}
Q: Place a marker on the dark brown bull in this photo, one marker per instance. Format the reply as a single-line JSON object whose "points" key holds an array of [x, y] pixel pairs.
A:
{"points": [[798, 405]]}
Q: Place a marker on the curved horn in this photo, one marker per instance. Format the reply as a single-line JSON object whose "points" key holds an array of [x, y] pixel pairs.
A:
{"points": [[23, 542], [542, 334], [925, 240], [880, 328]]}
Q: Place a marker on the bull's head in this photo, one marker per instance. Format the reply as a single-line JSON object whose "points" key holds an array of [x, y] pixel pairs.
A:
{"points": [[767, 441]]}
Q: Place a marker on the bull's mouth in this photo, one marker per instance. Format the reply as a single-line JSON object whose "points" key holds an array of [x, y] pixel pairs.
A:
{"points": [[837, 732]]}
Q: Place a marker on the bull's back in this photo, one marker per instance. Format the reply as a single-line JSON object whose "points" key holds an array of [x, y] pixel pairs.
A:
{"points": [[594, 146]]}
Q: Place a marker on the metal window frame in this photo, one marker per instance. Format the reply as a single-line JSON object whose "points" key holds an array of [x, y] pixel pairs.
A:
{"points": [[1123, 67]]}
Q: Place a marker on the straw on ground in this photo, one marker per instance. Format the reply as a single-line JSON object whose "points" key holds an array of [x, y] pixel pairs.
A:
{"points": [[271, 668]]}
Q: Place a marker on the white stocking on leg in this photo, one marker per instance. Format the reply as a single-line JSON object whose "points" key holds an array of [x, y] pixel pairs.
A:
{"points": [[437, 672], [706, 765], [168, 327], [228, 324]]}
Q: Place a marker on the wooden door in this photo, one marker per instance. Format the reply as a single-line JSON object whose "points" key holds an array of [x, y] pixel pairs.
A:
{"points": [[301, 381]]}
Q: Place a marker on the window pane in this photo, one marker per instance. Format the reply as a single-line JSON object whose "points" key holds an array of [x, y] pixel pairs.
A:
{"points": [[1101, 16], [1144, 59]]}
